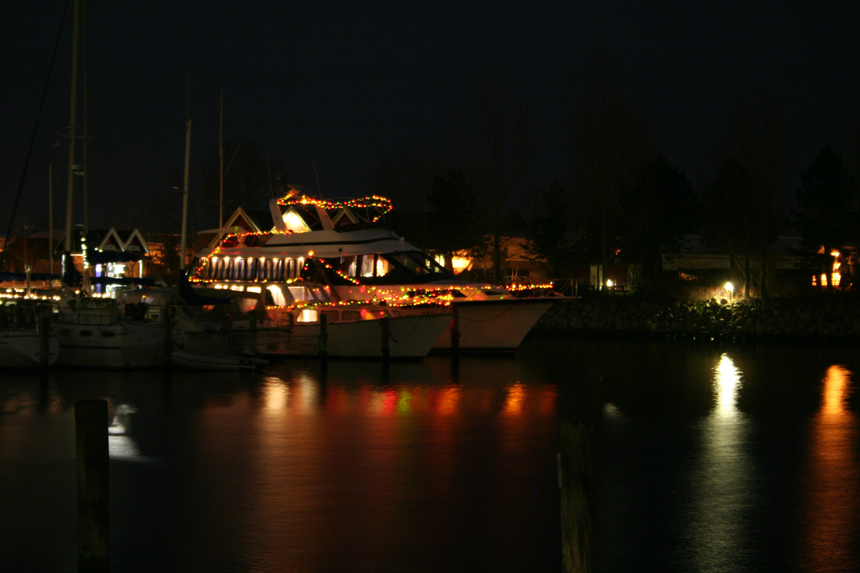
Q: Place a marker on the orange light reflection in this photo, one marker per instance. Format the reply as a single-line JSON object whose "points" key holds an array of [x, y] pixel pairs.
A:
{"points": [[834, 472]]}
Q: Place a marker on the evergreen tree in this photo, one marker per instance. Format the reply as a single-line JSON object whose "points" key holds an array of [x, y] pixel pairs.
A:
{"points": [[827, 210], [453, 215]]}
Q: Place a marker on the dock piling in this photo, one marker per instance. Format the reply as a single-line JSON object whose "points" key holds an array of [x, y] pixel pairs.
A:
{"points": [[575, 478], [92, 466]]}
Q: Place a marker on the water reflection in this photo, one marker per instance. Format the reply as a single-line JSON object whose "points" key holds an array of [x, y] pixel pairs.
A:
{"points": [[722, 493], [831, 506], [120, 443]]}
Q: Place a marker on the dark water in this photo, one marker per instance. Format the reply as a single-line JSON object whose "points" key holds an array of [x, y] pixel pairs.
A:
{"points": [[706, 459]]}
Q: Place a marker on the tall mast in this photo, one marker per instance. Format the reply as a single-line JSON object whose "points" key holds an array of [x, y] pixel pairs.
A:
{"points": [[51, 245], [84, 109], [221, 163], [185, 191], [72, 127]]}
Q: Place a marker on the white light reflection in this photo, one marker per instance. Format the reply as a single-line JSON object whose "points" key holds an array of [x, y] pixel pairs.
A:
{"points": [[120, 444], [727, 383], [612, 411], [722, 483]]}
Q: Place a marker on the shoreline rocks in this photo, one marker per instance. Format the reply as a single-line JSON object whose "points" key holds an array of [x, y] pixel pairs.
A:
{"points": [[821, 318]]}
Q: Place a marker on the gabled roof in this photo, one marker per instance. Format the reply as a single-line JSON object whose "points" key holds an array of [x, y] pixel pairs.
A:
{"points": [[106, 240], [135, 243], [239, 222]]}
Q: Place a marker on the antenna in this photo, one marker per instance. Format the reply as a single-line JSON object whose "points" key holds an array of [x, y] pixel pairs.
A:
{"points": [[319, 190], [269, 174]]}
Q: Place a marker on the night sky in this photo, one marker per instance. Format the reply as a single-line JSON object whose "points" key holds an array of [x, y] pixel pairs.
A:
{"points": [[343, 85]]}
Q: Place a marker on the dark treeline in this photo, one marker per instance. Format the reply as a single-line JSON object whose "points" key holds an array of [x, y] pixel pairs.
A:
{"points": [[621, 200]]}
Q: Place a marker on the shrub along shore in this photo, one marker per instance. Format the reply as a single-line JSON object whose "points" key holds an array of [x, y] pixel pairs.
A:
{"points": [[823, 318]]}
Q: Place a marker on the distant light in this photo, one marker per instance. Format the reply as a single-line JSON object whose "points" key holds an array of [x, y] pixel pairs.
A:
{"points": [[730, 287], [609, 283]]}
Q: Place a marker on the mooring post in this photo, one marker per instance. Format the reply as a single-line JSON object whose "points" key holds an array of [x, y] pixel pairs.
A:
{"points": [[455, 333], [575, 478], [91, 429], [167, 340], [323, 343], [385, 328], [252, 333], [44, 340]]}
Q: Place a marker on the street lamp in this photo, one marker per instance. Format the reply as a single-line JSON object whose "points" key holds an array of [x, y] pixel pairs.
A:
{"points": [[730, 288]]}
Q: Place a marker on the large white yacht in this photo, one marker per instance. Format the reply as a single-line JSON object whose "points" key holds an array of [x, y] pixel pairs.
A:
{"points": [[342, 245]]}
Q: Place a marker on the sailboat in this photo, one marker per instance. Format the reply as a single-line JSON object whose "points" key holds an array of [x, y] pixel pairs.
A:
{"points": [[26, 340], [94, 332]]}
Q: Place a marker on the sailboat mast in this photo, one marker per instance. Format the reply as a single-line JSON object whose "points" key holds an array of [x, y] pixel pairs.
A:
{"points": [[72, 127], [221, 162], [51, 245], [84, 109], [185, 191]]}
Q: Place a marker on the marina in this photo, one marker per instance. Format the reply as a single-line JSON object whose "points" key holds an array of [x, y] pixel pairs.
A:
{"points": [[706, 457]]}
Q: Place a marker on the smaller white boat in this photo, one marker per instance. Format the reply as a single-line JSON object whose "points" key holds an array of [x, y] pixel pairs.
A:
{"points": [[22, 342], [94, 333]]}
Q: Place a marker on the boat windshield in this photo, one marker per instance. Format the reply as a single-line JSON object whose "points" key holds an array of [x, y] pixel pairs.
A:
{"points": [[401, 266], [418, 262], [310, 294]]}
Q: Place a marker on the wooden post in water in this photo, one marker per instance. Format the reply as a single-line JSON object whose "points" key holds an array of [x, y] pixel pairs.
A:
{"points": [[385, 328], [323, 347], [455, 333], [252, 332], [575, 478], [91, 423], [167, 340], [44, 340]]}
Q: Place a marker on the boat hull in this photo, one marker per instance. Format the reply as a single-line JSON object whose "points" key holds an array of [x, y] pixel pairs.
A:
{"points": [[493, 325], [24, 350], [119, 345], [408, 337]]}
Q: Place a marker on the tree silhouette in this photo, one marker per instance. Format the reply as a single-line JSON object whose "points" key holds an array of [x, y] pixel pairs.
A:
{"points": [[754, 142], [453, 215], [496, 144], [655, 215], [610, 145], [550, 233], [827, 210], [729, 222]]}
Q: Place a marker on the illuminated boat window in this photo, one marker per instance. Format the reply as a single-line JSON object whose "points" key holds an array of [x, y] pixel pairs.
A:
{"points": [[239, 269], [367, 265], [320, 294], [300, 293], [294, 223], [308, 315], [277, 296]]}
